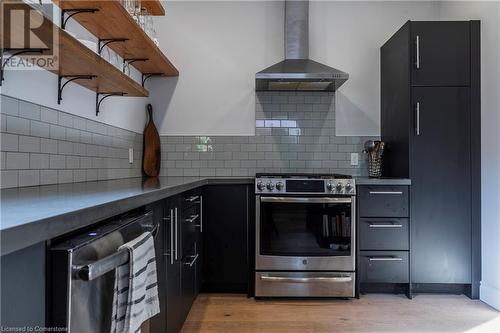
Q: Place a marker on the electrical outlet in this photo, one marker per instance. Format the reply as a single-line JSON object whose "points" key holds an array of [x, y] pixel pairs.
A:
{"points": [[131, 155], [354, 158]]}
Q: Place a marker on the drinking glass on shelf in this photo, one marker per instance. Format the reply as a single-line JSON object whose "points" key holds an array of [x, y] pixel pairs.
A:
{"points": [[126, 68], [115, 60], [132, 6], [154, 34], [106, 54], [149, 26], [143, 19]]}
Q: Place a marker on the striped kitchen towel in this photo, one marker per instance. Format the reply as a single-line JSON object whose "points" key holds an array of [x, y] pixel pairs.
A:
{"points": [[135, 297]]}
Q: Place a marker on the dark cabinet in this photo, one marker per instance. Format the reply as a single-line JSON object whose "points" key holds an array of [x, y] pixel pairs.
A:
{"points": [[384, 266], [383, 239], [383, 201], [190, 221], [383, 233], [173, 296], [23, 288], [441, 188], [441, 53], [182, 222], [157, 323], [188, 280], [226, 219], [430, 120]]}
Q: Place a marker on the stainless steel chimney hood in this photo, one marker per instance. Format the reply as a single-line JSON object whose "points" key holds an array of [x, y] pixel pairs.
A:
{"points": [[297, 72]]}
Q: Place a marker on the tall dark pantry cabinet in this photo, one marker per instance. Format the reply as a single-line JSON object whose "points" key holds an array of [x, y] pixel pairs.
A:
{"points": [[430, 120]]}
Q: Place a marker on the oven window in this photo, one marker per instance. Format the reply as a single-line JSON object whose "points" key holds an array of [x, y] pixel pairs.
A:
{"points": [[305, 229]]}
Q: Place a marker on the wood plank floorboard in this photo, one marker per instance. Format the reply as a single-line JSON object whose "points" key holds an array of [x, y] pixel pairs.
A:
{"points": [[216, 313]]}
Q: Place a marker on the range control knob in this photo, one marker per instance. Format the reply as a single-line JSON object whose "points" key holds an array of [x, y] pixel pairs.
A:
{"points": [[270, 186], [339, 187], [348, 187], [329, 187], [279, 186], [260, 186]]}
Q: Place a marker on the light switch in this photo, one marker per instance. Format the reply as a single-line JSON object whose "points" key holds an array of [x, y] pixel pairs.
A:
{"points": [[131, 155], [354, 158]]}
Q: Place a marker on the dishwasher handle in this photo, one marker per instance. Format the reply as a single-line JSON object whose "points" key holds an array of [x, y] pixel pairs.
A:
{"points": [[91, 271]]}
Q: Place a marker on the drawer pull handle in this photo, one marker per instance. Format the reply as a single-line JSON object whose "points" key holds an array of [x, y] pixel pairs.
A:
{"points": [[193, 260], [386, 192], [306, 279], [193, 198], [385, 259], [385, 225], [192, 218]]}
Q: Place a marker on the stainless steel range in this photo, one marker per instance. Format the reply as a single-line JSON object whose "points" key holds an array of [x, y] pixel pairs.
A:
{"points": [[305, 235]]}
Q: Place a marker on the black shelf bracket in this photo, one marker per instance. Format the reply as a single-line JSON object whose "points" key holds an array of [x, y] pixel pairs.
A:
{"points": [[73, 13], [69, 78], [130, 61], [98, 100], [146, 76], [104, 42], [15, 52]]}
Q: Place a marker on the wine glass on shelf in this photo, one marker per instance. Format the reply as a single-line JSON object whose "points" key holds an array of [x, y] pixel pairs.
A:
{"points": [[126, 68], [132, 6], [152, 32]]}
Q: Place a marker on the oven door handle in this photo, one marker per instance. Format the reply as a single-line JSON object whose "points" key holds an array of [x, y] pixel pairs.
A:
{"points": [[306, 279], [305, 200]]}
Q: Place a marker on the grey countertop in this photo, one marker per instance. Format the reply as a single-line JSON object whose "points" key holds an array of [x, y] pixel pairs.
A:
{"points": [[33, 214]]}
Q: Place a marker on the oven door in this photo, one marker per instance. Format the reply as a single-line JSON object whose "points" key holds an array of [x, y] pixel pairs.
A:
{"points": [[305, 234]]}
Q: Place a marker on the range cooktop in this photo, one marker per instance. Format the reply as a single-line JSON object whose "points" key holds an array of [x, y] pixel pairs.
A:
{"points": [[304, 183], [304, 175]]}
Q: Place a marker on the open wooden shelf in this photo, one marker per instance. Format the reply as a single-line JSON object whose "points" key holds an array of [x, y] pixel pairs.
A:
{"points": [[113, 21], [74, 58], [77, 59]]}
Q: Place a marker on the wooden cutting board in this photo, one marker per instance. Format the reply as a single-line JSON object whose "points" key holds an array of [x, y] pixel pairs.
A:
{"points": [[151, 158]]}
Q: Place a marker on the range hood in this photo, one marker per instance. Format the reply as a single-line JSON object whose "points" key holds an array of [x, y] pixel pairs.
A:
{"points": [[297, 72]]}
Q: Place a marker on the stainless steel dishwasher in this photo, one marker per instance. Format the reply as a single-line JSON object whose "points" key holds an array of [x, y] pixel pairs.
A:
{"points": [[82, 273]]}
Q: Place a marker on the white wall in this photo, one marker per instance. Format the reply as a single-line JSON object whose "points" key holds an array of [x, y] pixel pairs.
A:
{"points": [[219, 46], [348, 36], [489, 14], [40, 86]]}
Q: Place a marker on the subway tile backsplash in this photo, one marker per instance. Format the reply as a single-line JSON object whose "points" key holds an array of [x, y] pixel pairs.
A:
{"points": [[295, 132], [45, 146]]}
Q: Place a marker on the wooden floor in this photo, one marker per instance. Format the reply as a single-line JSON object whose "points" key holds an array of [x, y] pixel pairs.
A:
{"points": [[213, 313]]}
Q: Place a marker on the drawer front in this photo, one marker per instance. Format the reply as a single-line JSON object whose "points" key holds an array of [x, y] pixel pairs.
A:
{"points": [[384, 266], [304, 284], [383, 201], [383, 233]]}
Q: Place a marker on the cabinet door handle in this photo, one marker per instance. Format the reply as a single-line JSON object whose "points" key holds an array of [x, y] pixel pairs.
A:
{"points": [[171, 236], [176, 236], [385, 259], [417, 51], [192, 262], [373, 225], [306, 279], [386, 192], [192, 198], [417, 118], [192, 218], [201, 213]]}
